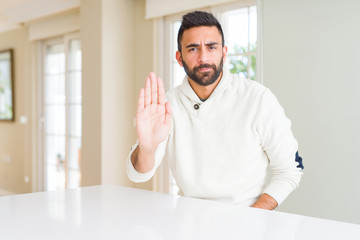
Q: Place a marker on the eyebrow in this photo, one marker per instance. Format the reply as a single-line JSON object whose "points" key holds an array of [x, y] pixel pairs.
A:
{"points": [[206, 44], [211, 44]]}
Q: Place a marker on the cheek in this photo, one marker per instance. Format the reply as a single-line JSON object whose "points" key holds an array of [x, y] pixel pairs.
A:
{"points": [[190, 60], [219, 54], [216, 57]]}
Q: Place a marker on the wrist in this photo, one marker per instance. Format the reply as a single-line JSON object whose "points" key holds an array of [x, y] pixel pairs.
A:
{"points": [[146, 151], [143, 159], [265, 202]]}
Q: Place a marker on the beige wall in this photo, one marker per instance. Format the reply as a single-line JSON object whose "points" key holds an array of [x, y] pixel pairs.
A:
{"points": [[117, 89], [143, 60], [117, 55], [15, 137], [91, 15]]}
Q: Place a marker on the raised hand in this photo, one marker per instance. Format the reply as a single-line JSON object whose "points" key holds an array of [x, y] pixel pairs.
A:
{"points": [[153, 122]]}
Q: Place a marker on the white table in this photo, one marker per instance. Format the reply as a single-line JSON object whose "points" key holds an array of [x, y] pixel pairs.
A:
{"points": [[113, 212]]}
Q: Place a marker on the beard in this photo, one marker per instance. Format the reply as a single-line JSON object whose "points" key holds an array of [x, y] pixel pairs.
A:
{"points": [[204, 78]]}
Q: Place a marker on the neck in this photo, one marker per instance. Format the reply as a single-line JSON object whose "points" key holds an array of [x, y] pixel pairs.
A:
{"points": [[204, 92]]}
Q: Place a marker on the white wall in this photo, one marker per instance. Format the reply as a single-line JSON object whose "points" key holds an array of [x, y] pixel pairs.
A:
{"points": [[311, 62]]}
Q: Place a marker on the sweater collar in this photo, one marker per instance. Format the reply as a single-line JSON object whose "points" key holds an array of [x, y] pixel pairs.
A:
{"points": [[220, 88]]}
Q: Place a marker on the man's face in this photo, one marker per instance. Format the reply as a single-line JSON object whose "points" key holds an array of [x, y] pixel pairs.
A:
{"points": [[202, 54]]}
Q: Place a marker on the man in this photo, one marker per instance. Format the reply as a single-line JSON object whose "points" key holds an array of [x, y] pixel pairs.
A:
{"points": [[226, 138]]}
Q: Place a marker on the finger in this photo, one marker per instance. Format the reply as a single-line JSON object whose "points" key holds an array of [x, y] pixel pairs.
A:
{"points": [[141, 100], [154, 95], [168, 114], [147, 92], [161, 91]]}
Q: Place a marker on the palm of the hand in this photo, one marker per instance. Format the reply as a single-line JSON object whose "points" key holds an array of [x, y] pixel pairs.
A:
{"points": [[153, 118], [151, 126]]}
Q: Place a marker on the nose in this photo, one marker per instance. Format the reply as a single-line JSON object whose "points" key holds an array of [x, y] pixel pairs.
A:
{"points": [[203, 56]]}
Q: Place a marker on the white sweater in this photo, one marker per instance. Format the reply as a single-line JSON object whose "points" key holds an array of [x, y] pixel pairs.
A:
{"points": [[237, 145]]}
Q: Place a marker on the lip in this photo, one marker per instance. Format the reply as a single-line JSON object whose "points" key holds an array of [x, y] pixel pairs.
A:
{"points": [[204, 69]]}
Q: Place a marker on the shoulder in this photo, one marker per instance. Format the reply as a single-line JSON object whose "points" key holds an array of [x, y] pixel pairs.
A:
{"points": [[246, 87], [249, 84]]}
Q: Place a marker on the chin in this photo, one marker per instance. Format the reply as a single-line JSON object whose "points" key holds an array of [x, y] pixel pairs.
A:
{"points": [[206, 82]]}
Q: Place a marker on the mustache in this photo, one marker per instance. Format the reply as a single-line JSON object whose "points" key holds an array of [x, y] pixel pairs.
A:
{"points": [[205, 66]]}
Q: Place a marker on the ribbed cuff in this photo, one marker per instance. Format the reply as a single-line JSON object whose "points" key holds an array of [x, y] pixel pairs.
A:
{"points": [[132, 173], [278, 191]]}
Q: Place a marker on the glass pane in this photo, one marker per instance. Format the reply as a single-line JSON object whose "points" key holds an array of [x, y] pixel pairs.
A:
{"points": [[75, 114], [55, 119], [75, 87], [239, 64], [55, 89], [55, 59], [238, 28], [75, 119], [252, 69], [74, 178], [74, 155], [75, 55], [55, 164], [53, 178], [252, 27], [55, 150]]}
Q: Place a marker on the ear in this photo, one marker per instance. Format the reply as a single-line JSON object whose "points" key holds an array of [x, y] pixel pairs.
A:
{"points": [[178, 58], [225, 50]]}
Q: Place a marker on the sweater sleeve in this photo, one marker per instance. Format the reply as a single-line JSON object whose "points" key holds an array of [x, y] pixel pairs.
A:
{"points": [[136, 176], [280, 146]]}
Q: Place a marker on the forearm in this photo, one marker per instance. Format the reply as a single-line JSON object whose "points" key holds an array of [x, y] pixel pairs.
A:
{"points": [[265, 202], [143, 160]]}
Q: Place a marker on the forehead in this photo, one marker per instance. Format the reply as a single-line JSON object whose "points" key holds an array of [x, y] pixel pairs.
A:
{"points": [[201, 34]]}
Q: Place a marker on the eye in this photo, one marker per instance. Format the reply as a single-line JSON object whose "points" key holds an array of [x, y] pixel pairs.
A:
{"points": [[192, 49], [212, 47]]}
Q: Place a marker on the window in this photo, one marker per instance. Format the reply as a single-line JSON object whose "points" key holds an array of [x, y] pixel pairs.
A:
{"points": [[240, 30], [62, 110], [239, 22]]}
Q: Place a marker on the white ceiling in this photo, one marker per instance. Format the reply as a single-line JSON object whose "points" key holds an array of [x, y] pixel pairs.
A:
{"points": [[14, 13]]}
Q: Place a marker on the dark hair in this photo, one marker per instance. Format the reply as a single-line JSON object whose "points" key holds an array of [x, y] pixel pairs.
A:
{"points": [[198, 19]]}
